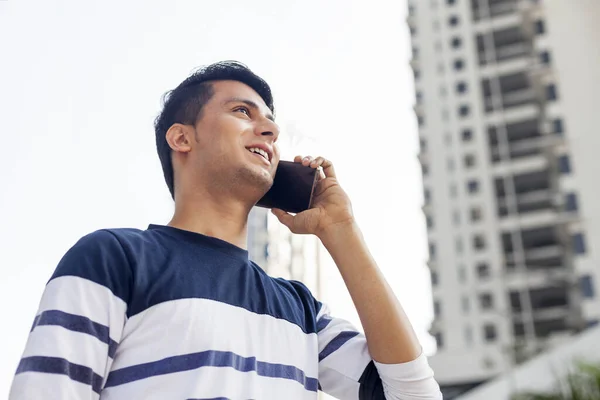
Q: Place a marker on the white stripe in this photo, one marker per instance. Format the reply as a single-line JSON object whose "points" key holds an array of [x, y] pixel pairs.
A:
{"points": [[80, 296], [194, 325], [37, 385], [207, 383], [338, 385], [75, 347]]}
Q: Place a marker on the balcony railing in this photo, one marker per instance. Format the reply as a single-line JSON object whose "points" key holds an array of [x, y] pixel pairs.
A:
{"points": [[504, 53], [495, 10]]}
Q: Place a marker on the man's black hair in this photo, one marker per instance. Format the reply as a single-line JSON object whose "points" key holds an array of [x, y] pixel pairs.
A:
{"points": [[184, 104]]}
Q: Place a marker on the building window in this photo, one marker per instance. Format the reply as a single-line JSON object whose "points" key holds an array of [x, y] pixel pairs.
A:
{"points": [[468, 335], [483, 270], [545, 57], [432, 251], [465, 304], [473, 186], [462, 274], [578, 243], [459, 64], [476, 214], [571, 202], [453, 20], [463, 110], [417, 74], [427, 195], [420, 120], [557, 126], [411, 9], [450, 164], [439, 340], [587, 286], [456, 42], [486, 301], [413, 31], [564, 164], [540, 28], [437, 309], [551, 92], [448, 139], [434, 278], [425, 169], [478, 242], [453, 191], [429, 220], [451, 2], [419, 97], [467, 135], [423, 144], [469, 160], [456, 217], [458, 244], [489, 332], [461, 87]]}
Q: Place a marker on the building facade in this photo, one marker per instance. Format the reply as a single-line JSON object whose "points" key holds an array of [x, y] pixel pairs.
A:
{"points": [[282, 254], [505, 103]]}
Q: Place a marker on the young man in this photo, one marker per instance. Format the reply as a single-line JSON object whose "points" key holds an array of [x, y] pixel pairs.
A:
{"points": [[179, 312]]}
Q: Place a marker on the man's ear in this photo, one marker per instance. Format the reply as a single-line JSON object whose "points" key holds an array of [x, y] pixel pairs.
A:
{"points": [[180, 138]]}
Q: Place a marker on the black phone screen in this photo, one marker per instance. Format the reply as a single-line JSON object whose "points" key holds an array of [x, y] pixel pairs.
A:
{"points": [[292, 188]]}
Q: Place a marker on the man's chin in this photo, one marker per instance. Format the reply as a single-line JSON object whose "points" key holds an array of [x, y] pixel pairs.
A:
{"points": [[256, 179]]}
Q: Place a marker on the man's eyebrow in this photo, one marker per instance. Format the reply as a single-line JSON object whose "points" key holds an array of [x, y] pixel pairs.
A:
{"points": [[250, 104]]}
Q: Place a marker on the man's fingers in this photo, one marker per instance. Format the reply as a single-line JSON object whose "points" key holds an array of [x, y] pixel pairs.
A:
{"points": [[328, 168], [325, 164]]}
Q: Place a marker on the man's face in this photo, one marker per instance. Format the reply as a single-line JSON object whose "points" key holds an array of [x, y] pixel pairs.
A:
{"points": [[235, 140]]}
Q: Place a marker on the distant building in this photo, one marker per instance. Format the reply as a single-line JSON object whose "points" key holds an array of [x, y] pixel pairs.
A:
{"points": [[281, 253], [507, 108]]}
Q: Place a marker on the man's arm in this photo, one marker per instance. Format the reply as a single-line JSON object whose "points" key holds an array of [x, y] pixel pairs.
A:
{"points": [[390, 336], [78, 325], [391, 340]]}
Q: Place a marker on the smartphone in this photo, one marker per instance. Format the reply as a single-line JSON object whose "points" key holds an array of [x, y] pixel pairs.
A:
{"points": [[292, 189]]}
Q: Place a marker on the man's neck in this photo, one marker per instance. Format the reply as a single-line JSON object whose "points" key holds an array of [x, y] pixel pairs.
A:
{"points": [[222, 218]]}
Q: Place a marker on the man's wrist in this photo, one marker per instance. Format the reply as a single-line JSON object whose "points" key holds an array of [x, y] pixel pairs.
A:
{"points": [[340, 235]]}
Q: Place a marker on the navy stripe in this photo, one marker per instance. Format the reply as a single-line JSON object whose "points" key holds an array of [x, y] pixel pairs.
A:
{"points": [[77, 323], [216, 398], [209, 358], [323, 322], [54, 365], [336, 343]]}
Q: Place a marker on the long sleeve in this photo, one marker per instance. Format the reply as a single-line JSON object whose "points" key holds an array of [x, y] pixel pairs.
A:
{"points": [[347, 372], [78, 324]]}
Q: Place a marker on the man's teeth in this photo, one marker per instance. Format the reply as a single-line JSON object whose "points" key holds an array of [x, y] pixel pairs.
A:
{"points": [[259, 151]]}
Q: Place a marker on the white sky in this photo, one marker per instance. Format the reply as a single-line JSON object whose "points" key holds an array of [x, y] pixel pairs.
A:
{"points": [[80, 84]]}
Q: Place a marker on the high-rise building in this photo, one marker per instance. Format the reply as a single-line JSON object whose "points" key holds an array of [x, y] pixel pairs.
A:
{"points": [[508, 128]]}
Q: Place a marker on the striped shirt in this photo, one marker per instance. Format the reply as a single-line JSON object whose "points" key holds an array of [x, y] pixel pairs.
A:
{"points": [[167, 313]]}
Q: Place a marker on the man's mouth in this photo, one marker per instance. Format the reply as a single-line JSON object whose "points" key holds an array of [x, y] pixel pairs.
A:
{"points": [[260, 152]]}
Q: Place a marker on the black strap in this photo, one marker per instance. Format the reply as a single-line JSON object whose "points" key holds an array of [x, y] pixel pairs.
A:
{"points": [[371, 387]]}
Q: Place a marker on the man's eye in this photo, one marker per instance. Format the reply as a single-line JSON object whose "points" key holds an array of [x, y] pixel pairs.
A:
{"points": [[243, 110]]}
